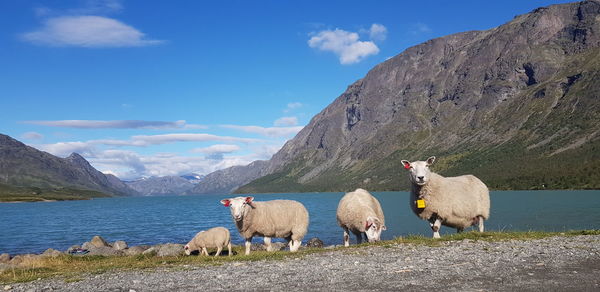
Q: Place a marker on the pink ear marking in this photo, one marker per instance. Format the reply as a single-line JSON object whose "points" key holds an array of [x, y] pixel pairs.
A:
{"points": [[407, 166], [367, 225], [248, 199], [227, 203]]}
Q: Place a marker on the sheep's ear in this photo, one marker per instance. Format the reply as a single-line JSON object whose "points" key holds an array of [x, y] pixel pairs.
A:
{"points": [[406, 164], [430, 160], [383, 227], [249, 199], [226, 202]]}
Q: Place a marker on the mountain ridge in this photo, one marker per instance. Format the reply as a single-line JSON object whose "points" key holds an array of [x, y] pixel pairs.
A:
{"points": [[470, 98], [24, 167]]}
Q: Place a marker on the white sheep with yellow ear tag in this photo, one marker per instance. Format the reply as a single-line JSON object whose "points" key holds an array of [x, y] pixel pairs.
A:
{"points": [[457, 202]]}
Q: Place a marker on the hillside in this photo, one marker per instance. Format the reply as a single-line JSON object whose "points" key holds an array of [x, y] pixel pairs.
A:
{"points": [[25, 170], [517, 105]]}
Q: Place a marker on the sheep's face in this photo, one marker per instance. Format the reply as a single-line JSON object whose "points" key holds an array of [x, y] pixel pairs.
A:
{"points": [[419, 170], [373, 228], [237, 206], [187, 249]]}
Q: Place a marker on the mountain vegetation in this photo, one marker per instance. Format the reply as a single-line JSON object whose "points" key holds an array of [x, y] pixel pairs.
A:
{"points": [[517, 105]]}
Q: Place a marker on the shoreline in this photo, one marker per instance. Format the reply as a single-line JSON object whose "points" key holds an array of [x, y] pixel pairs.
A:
{"points": [[87, 199], [557, 262]]}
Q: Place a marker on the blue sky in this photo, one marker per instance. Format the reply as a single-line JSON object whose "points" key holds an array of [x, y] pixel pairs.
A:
{"points": [[152, 88]]}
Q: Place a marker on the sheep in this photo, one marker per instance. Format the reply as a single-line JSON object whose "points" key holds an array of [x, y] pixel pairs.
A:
{"points": [[360, 213], [216, 237], [457, 202], [277, 218]]}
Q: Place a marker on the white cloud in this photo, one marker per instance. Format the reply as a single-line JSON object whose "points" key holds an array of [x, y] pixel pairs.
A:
{"points": [[292, 106], [346, 45], [286, 121], [420, 28], [131, 165], [116, 124], [145, 140], [377, 32], [32, 136], [87, 31], [217, 148], [267, 131]]}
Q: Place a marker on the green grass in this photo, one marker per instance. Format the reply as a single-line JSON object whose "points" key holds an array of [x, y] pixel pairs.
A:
{"points": [[34, 194], [76, 268]]}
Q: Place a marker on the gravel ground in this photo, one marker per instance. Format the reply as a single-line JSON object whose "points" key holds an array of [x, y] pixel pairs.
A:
{"points": [[552, 264]]}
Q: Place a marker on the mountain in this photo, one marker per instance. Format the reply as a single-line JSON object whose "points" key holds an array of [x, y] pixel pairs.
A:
{"points": [[517, 105], [227, 180], [165, 185], [25, 167], [193, 178]]}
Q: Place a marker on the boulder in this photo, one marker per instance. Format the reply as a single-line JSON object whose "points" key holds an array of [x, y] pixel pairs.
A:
{"points": [[72, 248], [4, 267], [315, 242], [257, 247], [87, 245], [170, 249], [23, 258], [98, 241], [120, 245], [153, 250], [4, 258], [134, 250], [51, 253], [278, 246], [104, 251]]}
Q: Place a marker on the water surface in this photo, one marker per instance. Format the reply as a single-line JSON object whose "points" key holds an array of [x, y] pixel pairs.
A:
{"points": [[34, 227]]}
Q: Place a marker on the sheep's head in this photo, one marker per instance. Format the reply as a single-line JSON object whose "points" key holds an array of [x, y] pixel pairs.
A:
{"points": [[187, 249], [419, 170], [237, 206], [373, 228]]}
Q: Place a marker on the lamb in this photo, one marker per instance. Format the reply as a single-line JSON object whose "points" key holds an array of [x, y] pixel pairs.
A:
{"points": [[457, 202], [360, 213], [216, 237], [278, 218]]}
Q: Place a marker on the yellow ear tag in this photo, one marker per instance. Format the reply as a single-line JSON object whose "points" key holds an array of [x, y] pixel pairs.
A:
{"points": [[420, 203]]}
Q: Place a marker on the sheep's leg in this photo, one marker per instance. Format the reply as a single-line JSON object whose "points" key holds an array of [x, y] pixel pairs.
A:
{"points": [[436, 228], [358, 237], [248, 244], [219, 249], [480, 223], [295, 245], [346, 237], [229, 248], [268, 243], [204, 251], [459, 230]]}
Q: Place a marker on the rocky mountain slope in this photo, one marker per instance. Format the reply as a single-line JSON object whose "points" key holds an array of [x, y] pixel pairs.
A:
{"points": [[159, 186], [227, 180], [25, 166], [517, 105]]}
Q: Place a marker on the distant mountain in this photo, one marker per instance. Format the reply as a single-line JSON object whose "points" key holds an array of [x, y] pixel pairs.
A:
{"points": [[27, 167], [227, 180], [193, 178], [165, 185], [517, 105]]}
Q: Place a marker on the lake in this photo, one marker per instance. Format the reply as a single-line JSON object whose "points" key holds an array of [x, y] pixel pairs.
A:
{"points": [[34, 227]]}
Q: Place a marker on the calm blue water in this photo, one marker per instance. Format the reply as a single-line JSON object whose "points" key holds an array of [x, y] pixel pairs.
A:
{"points": [[34, 227]]}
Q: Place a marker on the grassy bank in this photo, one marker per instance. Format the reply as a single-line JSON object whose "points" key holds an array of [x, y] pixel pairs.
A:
{"points": [[76, 268], [35, 194]]}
